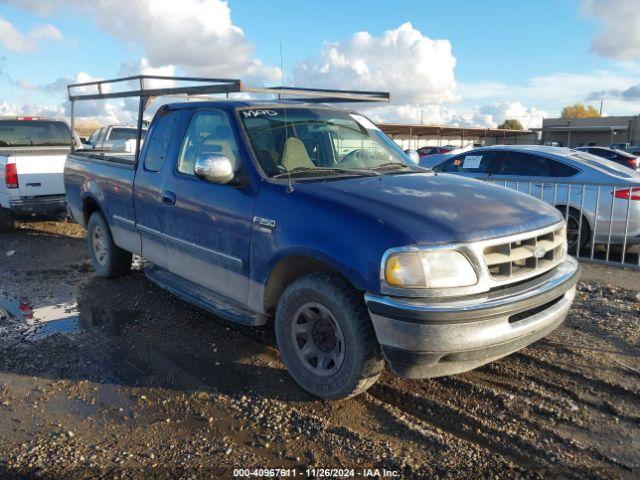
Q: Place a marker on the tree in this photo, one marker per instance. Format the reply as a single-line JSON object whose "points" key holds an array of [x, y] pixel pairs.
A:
{"points": [[511, 124], [578, 110]]}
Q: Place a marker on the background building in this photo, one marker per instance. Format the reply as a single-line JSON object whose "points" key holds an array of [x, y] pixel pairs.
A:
{"points": [[416, 136], [602, 131]]}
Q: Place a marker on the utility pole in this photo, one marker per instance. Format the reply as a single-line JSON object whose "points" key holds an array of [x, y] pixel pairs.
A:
{"points": [[601, 102]]}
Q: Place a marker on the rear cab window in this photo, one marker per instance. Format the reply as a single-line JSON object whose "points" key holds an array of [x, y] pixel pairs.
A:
{"points": [[120, 133], [32, 133]]}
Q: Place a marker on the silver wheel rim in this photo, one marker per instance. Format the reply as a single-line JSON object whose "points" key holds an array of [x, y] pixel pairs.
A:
{"points": [[99, 243], [318, 339]]}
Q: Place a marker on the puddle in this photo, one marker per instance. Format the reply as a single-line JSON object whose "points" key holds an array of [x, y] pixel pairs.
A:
{"points": [[65, 326], [15, 308], [38, 322]]}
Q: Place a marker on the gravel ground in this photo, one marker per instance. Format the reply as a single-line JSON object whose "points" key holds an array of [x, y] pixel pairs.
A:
{"points": [[118, 379]]}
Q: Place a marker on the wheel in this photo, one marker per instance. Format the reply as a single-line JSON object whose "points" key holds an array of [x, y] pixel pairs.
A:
{"points": [[573, 227], [7, 220], [109, 261], [326, 338]]}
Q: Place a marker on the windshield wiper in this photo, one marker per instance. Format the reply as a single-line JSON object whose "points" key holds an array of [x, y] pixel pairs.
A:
{"points": [[52, 144], [397, 165], [324, 170]]}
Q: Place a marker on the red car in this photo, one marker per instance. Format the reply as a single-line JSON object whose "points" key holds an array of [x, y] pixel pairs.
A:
{"points": [[426, 151]]}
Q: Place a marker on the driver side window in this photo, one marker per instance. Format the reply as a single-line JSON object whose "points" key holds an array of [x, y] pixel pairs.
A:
{"points": [[209, 131]]}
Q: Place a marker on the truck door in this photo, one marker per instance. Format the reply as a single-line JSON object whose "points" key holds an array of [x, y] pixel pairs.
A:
{"points": [[164, 139], [207, 226]]}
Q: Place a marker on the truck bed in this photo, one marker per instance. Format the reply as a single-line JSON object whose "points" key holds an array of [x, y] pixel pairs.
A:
{"points": [[107, 176]]}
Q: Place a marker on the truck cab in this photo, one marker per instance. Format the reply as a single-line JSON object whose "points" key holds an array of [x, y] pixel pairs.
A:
{"points": [[308, 218]]}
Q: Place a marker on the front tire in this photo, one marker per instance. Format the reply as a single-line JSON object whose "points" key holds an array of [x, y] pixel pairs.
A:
{"points": [[326, 338], [7, 220], [576, 231], [108, 260]]}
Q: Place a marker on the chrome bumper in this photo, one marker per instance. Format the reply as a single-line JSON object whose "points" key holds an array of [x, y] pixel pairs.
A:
{"points": [[423, 339]]}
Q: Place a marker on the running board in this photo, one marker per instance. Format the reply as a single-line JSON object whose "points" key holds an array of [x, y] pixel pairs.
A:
{"points": [[203, 297]]}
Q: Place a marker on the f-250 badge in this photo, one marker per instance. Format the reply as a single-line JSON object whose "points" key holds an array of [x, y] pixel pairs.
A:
{"points": [[264, 224]]}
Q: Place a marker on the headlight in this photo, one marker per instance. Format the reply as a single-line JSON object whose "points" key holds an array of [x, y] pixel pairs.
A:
{"points": [[429, 269]]}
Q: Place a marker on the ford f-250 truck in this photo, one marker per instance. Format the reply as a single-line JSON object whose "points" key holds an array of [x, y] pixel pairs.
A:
{"points": [[309, 215], [32, 155]]}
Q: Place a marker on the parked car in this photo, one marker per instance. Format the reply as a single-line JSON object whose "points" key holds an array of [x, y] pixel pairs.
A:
{"points": [[426, 151], [619, 146], [32, 155], [546, 172], [617, 156], [310, 215], [436, 159], [119, 138]]}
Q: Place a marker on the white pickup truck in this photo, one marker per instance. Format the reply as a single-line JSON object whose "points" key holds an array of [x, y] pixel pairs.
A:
{"points": [[119, 138], [32, 156]]}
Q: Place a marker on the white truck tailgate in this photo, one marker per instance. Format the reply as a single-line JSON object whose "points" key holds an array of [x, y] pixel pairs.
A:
{"points": [[40, 174]]}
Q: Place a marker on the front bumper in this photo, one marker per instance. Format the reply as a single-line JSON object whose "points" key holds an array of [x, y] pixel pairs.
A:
{"points": [[41, 205], [423, 339]]}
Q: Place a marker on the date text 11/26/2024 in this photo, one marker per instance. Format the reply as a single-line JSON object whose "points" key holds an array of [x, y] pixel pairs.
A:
{"points": [[315, 473]]}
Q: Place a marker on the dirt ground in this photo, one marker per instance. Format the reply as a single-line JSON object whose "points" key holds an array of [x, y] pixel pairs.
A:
{"points": [[119, 379]]}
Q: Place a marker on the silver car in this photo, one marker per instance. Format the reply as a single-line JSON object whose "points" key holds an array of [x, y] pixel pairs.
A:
{"points": [[577, 183]]}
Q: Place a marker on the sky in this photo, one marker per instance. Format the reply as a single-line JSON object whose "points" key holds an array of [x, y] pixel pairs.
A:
{"points": [[455, 62]]}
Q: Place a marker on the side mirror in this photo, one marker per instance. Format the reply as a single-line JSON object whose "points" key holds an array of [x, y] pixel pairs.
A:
{"points": [[214, 168], [84, 140], [414, 157]]}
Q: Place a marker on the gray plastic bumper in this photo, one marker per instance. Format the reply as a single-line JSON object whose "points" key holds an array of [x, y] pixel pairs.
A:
{"points": [[42, 205], [423, 339]]}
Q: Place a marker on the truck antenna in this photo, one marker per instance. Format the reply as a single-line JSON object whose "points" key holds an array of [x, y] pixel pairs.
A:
{"points": [[284, 109]]}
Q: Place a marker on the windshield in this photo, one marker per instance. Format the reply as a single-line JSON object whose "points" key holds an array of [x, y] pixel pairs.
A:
{"points": [[318, 141], [27, 133]]}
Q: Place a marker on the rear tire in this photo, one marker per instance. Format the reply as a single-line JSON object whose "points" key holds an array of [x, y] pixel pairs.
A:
{"points": [[7, 220], [109, 260], [326, 338]]}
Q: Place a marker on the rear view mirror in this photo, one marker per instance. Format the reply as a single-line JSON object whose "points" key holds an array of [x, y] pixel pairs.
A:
{"points": [[214, 168]]}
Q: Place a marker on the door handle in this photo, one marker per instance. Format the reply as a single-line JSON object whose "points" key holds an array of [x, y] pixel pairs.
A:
{"points": [[168, 198]]}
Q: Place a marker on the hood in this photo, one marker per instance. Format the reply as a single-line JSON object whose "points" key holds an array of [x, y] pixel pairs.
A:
{"points": [[436, 208]]}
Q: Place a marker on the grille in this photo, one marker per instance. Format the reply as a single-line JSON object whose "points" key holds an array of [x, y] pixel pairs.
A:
{"points": [[526, 257]]}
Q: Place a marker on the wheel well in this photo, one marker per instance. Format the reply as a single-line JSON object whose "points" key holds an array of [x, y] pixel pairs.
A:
{"points": [[88, 207], [288, 270]]}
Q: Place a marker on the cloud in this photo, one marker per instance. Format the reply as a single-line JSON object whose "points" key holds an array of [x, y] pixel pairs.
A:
{"points": [[498, 112], [620, 35], [415, 68], [16, 41], [197, 36], [10, 109], [488, 115]]}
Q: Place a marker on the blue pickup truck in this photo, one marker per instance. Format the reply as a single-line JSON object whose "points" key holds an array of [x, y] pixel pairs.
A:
{"points": [[307, 217]]}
